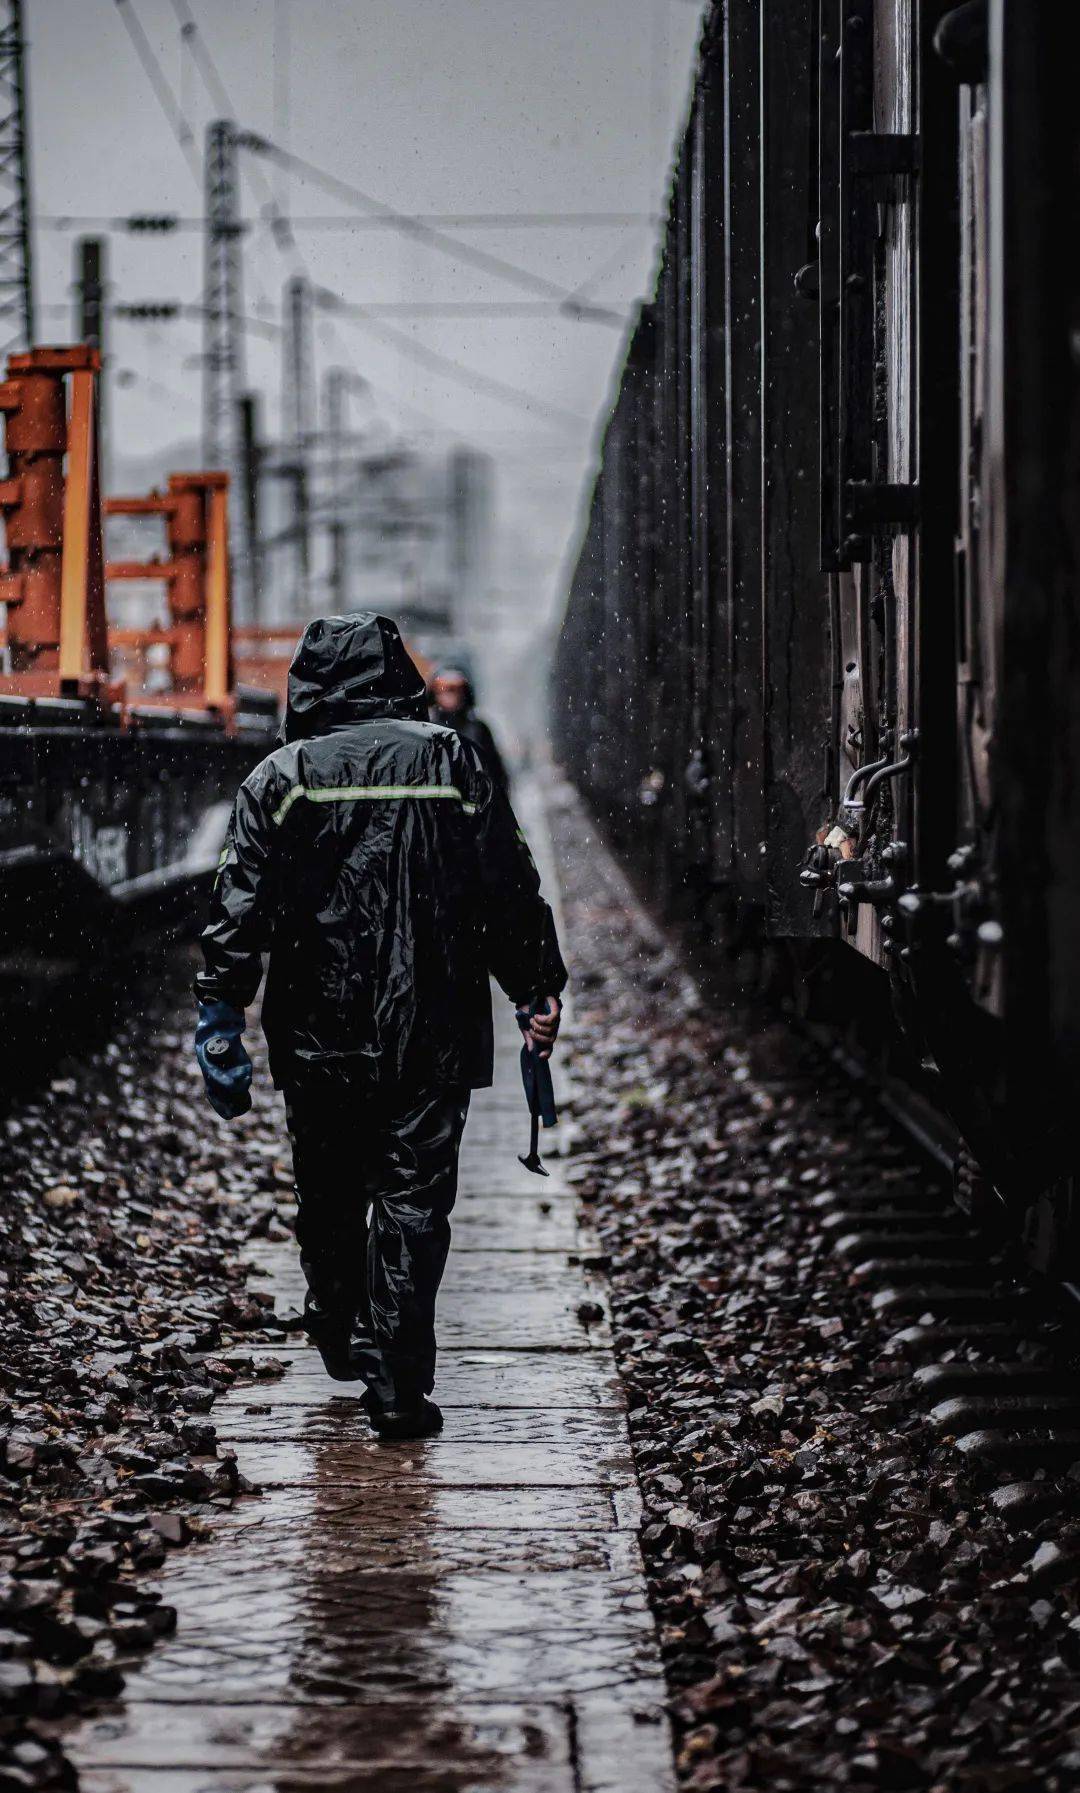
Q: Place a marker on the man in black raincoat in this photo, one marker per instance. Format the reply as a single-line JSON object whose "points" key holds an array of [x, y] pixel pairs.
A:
{"points": [[377, 861], [454, 706]]}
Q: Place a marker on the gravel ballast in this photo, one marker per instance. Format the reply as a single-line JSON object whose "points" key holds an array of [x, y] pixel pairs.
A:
{"points": [[125, 1205], [838, 1603]]}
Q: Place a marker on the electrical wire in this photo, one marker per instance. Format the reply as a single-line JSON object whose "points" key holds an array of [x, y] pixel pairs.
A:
{"points": [[281, 232], [201, 56], [214, 84], [410, 223], [615, 261], [166, 99], [358, 221], [426, 357], [281, 60], [126, 377], [445, 364]]}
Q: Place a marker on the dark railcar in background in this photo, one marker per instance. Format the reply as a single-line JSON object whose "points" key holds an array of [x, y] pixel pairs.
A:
{"points": [[818, 664], [110, 835]]}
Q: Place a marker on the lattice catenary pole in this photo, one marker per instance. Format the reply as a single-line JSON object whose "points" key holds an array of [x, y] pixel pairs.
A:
{"points": [[298, 424], [16, 251], [223, 373]]}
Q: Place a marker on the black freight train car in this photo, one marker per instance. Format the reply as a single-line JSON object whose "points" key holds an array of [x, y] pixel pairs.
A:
{"points": [[817, 668]]}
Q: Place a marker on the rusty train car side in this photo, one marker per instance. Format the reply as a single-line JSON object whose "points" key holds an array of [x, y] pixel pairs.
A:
{"points": [[817, 663]]}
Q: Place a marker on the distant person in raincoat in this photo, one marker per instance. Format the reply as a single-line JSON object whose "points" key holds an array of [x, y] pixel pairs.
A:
{"points": [[376, 858], [453, 704]]}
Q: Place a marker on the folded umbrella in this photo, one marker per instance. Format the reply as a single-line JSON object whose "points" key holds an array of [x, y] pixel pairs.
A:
{"points": [[539, 1091]]}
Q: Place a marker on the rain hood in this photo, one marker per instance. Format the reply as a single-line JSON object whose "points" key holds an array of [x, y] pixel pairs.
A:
{"points": [[350, 669]]}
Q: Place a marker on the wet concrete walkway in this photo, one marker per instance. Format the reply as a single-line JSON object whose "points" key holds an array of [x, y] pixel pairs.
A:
{"points": [[459, 1615]]}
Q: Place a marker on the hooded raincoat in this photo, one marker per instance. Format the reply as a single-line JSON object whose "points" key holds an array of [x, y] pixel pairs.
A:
{"points": [[466, 722], [375, 859]]}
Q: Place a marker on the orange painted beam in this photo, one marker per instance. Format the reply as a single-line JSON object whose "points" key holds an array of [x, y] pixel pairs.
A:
{"points": [[139, 569]]}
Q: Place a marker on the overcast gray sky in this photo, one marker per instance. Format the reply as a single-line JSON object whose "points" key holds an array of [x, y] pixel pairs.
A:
{"points": [[458, 106]]}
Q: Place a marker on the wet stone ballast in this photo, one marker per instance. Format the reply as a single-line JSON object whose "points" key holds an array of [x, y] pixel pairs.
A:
{"points": [[840, 1600], [124, 1209]]}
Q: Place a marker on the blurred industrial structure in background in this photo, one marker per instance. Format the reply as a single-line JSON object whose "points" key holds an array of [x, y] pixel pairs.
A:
{"points": [[335, 513]]}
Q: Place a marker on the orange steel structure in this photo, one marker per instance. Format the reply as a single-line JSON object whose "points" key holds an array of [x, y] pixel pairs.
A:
{"points": [[263, 655], [196, 576], [54, 584]]}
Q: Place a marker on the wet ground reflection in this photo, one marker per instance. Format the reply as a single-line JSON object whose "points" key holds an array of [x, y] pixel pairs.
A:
{"points": [[373, 1638]]}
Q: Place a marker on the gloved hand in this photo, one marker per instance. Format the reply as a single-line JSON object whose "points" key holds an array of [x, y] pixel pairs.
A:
{"points": [[225, 1065]]}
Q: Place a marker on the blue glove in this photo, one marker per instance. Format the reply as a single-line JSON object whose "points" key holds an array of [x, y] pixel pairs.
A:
{"points": [[226, 1067]]}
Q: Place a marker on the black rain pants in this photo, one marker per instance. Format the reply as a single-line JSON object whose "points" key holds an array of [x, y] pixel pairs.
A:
{"points": [[376, 1178]]}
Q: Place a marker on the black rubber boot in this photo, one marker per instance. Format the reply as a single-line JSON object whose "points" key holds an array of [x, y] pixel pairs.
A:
{"points": [[332, 1337], [393, 1424]]}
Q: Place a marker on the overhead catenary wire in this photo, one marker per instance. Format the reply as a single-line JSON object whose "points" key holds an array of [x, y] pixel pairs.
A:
{"points": [[360, 221], [177, 122], [215, 86], [488, 384], [283, 239], [580, 301], [200, 55], [130, 376], [187, 97], [376, 210], [410, 224], [486, 308], [465, 308], [175, 115], [281, 59], [432, 359], [127, 376], [449, 367], [446, 365], [374, 213], [212, 80]]}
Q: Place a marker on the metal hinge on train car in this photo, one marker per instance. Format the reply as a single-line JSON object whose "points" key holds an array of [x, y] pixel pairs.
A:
{"points": [[876, 155], [871, 505]]}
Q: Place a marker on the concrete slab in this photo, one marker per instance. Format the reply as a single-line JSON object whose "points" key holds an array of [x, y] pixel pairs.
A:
{"points": [[573, 1381], [291, 1463], [589, 1508], [516, 1549], [381, 1744], [339, 1422], [524, 1299], [280, 1632]]}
